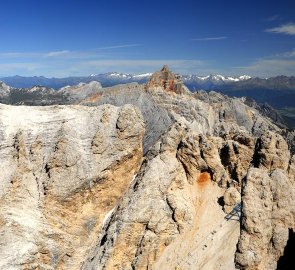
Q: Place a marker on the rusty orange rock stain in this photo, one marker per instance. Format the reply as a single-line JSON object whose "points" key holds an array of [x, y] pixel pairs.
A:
{"points": [[203, 179], [93, 98]]}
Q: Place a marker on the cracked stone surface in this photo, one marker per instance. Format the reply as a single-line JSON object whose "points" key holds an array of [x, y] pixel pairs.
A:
{"points": [[63, 169]]}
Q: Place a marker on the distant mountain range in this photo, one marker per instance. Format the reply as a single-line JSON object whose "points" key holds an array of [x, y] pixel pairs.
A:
{"points": [[106, 79], [260, 89], [114, 78], [278, 91], [210, 82]]}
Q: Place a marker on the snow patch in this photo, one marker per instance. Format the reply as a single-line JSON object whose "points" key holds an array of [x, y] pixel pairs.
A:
{"points": [[244, 77], [204, 78], [143, 75]]}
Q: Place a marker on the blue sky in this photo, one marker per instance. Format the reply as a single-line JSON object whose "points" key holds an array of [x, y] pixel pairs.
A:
{"points": [[70, 38]]}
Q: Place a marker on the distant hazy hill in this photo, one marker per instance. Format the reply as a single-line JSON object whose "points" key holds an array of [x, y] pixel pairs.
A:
{"points": [[106, 79]]}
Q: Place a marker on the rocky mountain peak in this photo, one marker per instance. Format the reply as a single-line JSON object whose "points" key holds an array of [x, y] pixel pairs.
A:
{"points": [[165, 68], [166, 80]]}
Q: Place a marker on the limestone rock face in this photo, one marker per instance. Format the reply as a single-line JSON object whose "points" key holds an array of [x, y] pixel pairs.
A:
{"points": [[62, 170], [271, 152], [231, 198], [157, 119], [209, 114], [165, 80], [171, 218], [164, 209], [268, 214], [268, 205]]}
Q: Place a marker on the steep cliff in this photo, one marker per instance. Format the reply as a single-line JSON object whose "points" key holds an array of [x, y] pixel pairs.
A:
{"points": [[62, 170]]}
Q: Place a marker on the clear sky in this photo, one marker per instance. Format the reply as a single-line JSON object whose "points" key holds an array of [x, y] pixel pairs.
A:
{"points": [[74, 37]]}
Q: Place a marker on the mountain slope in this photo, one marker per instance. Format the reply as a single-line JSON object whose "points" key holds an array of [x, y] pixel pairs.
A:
{"points": [[146, 184]]}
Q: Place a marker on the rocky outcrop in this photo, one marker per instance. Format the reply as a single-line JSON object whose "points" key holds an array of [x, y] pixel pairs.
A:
{"points": [[172, 215], [157, 119], [165, 80], [208, 113], [63, 169], [268, 205], [268, 215]]}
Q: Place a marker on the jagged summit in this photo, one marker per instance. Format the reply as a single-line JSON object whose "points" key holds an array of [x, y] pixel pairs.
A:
{"points": [[165, 68], [166, 80]]}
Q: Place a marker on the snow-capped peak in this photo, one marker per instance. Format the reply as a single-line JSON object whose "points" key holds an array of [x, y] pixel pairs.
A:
{"points": [[119, 75], [142, 75], [233, 79], [217, 78], [203, 78], [244, 77], [115, 74]]}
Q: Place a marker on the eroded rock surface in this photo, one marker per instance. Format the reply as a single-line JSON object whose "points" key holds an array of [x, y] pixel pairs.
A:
{"points": [[208, 157], [268, 205], [167, 81], [168, 201], [63, 169]]}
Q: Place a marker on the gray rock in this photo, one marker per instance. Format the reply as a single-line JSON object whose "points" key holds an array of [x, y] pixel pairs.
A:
{"points": [[268, 213]]}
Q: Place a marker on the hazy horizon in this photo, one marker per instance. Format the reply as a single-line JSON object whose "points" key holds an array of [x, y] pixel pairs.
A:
{"points": [[134, 74]]}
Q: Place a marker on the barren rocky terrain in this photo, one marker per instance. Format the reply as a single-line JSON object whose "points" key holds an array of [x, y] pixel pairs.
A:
{"points": [[145, 177]]}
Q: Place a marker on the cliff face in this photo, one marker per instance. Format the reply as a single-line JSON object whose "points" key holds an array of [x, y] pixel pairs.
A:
{"points": [[62, 170], [171, 217], [268, 206], [150, 185], [170, 214], [165, 80]]}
